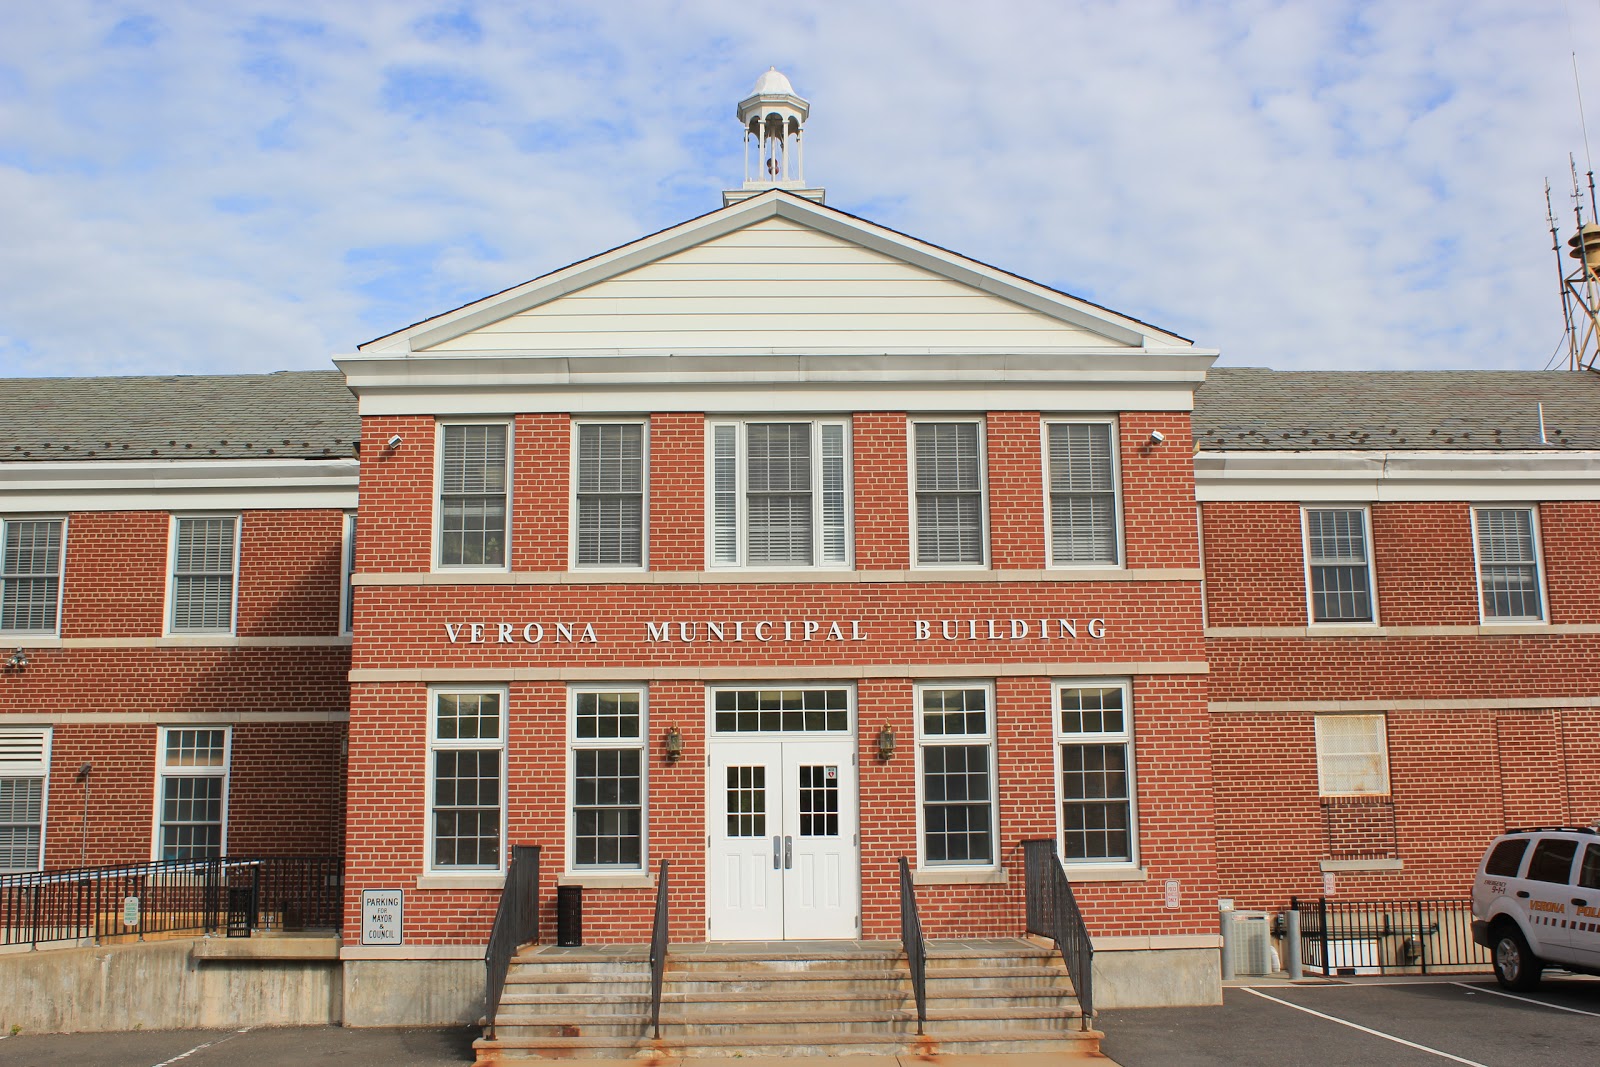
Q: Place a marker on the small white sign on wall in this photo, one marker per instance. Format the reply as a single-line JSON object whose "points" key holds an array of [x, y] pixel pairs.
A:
{"points": [[1173, 894], [382, 913], [1327, 883]]}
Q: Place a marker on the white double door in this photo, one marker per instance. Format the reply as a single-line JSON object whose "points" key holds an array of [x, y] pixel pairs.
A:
{"points": [[784, 855]]}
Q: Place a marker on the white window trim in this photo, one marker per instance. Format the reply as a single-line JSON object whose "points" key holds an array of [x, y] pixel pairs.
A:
{"points": [[1538, 566], [742, 478], [779, 735], [347, 566], [1126, 737], [1115, 434], [1383, 749], [1372, 565], [923, 864], [435, 745], [438, 494], [644, 498], [574, 743], [225, 773], [983, 491], [61, 574], [172, 578], [41, 771]]}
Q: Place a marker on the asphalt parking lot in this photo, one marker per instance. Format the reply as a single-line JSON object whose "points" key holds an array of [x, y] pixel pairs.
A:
{"points": [[1402, 1023], [1361, 1024]]}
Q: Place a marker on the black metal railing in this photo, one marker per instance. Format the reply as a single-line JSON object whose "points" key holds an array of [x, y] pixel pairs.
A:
{"points": [[915, 947], [1388, 936], [516, 922], [1052, 912], [658, 950], [202, 896]]}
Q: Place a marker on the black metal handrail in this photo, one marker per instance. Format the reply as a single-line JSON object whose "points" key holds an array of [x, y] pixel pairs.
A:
{"points": [[197, 896], [916, 948], [1053, 913], [658, 950], [516, 922]]}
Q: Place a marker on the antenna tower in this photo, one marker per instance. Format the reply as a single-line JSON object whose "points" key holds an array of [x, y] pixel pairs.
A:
{"points": [[1580, 288]]}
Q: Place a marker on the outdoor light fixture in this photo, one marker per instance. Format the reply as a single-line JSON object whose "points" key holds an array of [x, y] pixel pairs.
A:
{"points": [[18, 660], [886, 743], [672, 744], [394, 442], [1156, 437]]}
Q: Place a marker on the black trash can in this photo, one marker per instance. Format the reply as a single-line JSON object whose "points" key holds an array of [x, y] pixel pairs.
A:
{"points": [[569, 915]]}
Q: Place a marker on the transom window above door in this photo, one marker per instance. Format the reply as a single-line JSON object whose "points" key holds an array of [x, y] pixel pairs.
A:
{"points": [[780, 710]]}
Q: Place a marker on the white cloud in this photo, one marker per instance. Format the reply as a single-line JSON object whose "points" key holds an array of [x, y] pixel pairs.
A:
{"points": [[192, 187]]}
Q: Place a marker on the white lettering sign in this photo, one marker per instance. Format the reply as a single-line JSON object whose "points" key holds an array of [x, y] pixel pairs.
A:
{"points": [[1006, 629], [382, 912], [529, 633]]}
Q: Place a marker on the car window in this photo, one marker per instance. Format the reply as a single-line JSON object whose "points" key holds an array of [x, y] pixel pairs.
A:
{"points": [[1552, 860], [1589, 873], [1506, 859]]}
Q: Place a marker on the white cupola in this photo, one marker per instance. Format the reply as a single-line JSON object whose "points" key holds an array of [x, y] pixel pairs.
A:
{"points": [[774, 119]]}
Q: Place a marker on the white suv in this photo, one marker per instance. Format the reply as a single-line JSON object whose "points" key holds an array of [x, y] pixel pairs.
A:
{"points": [[1536, 902]]}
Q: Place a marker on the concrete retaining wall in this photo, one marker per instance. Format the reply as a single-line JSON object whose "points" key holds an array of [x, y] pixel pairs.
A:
{"points": [[1156, 978], [413, 992]]}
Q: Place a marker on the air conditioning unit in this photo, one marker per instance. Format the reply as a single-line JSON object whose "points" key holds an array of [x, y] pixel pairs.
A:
{"points": [[1250, 940]]}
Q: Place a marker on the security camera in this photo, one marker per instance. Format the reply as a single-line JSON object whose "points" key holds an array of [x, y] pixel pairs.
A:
{"points": [[1156, 437], [394, 441]]}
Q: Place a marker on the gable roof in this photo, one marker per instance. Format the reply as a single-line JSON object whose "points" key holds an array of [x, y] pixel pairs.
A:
{"points": [[1053, 306], [1255, 409], [287, 415]]}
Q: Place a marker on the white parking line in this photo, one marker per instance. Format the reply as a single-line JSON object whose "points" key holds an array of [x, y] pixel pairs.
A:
{"points": [[1526, 1000], [197, 1048], [1364, 1029]]}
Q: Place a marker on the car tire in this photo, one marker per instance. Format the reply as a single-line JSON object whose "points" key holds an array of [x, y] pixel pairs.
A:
{"points": [[1515, 965]]}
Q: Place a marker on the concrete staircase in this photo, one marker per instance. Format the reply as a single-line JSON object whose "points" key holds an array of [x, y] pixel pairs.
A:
{"points": [[818, 998]]}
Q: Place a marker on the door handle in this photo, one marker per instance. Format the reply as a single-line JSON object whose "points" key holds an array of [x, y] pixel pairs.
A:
{"points": [[788, 853], [777, 852], [1580, 902], [1523, 894]]}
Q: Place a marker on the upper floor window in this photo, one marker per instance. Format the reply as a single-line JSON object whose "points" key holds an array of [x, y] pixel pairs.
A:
{"points": [[347, 589], [1508, 564], [1083, 494], [949, 481], [1352, 755], [780, 494], [1338, 565], [204, 567], [30, 575], [192, 796], [473, 483], [610, 494]]}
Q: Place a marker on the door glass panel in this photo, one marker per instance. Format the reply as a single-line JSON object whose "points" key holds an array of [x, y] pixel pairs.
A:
{"points": [[747, 801], [819, 801]]}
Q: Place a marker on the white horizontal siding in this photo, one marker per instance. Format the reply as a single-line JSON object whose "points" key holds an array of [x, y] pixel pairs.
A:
{"points": [[775, 285]]}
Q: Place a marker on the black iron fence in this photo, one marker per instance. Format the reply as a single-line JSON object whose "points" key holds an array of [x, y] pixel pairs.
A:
{"points": [[1052, 912], [915, 947], [1354, 937], [235, 894], [516, 922]]}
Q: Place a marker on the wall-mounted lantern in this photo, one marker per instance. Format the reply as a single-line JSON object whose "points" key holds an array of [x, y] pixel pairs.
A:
{"points": [[672, 745], [886, 743]]}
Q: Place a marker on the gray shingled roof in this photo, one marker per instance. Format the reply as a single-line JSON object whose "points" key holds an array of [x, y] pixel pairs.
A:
{"points": [[1251, 408], [287, 415]]}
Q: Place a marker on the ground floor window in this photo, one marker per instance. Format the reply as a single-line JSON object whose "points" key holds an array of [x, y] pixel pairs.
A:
{"points": [[24, 766], [955, 750], [466, 760], [608, 778], [1094, 739], [193, 792]]}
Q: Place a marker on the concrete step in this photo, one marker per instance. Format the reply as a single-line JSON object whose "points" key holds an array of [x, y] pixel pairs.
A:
{"points": [[537, 1007], [1062, 1045], [819, 1022]]}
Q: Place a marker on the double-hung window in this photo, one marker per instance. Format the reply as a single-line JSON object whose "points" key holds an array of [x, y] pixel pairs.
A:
{"points": [[608, 779], [30, 575], [610, 494], [466, 794], [949, 481], [473, 486], [1352, 756], [205, 557], [24, 770], [192, 818], [1083, 494], [1338, 565], [955, 745], [1508, 564], [1094, 741], [347, 589], [779, 494]]}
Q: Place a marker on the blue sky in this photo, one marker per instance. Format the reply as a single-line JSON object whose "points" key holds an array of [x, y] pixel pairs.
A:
{"points": [[192, 187]]}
